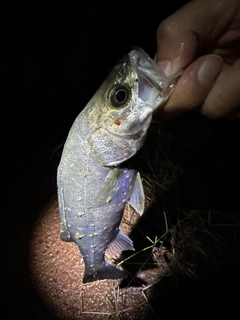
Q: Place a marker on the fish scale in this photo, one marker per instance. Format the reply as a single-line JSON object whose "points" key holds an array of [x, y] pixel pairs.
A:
{"points": [[93, 185]]}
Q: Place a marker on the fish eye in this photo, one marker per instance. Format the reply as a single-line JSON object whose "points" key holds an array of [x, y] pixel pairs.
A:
{"points": [[119, 95]]}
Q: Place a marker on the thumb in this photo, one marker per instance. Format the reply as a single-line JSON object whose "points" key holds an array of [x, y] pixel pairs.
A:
{"points": [[183, 36]]}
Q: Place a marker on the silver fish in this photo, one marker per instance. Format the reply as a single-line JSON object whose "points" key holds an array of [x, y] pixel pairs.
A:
{"points": [[92, 188]]}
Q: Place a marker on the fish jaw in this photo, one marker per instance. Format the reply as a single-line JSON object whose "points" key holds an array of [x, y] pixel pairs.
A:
{"points": [[154, 86]]}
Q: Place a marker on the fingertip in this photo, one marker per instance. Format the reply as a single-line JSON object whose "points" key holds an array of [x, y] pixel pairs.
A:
{"points": [[165, 66]]}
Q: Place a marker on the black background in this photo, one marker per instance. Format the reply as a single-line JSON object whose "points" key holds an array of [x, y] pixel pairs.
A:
{"points": [[54, 57]]}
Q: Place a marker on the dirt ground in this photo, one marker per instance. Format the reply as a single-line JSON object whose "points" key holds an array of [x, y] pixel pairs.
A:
{"points": [[57, 270]]}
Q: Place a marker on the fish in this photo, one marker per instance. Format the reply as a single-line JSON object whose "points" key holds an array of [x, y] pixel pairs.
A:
{"points": [[92, 183]]}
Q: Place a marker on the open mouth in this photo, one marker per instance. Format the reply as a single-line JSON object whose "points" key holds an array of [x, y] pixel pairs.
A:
{"points": [[153, 83]]}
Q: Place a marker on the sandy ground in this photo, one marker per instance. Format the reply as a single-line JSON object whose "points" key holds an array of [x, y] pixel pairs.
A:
{"points": [[57, 270]]}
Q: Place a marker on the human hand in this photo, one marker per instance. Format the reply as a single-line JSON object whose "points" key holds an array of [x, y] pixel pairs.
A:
{"points": [[203, 38]]}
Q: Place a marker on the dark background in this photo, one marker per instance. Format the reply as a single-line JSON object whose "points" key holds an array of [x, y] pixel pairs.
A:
{"points": [[54, 57]]}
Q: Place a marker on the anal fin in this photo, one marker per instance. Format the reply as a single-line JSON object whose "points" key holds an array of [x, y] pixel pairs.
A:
{"points": [[120, 243]]}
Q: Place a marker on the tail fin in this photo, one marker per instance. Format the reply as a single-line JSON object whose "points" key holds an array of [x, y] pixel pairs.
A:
{"points": [[108, 272]]}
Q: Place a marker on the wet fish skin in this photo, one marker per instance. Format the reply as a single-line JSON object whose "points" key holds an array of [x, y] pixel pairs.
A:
{"points": [[92, 188]]}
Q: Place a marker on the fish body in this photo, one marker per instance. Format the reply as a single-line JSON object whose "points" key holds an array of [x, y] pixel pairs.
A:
{"points": [[93, 188]]}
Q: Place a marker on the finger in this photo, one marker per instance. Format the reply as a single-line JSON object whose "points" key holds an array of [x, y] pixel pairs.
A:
{"points": [[192, 87], [198, 24], [224, 98]]}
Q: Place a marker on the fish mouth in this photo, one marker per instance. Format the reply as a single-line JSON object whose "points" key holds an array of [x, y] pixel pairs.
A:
{"points": [[147, 67], [154, 85]]}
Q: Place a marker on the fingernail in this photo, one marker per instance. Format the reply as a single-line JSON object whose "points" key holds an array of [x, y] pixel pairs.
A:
{"points": [[209, 69], [165, 66]]}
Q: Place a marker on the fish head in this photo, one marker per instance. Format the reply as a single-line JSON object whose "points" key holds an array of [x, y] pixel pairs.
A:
{"points": [[122, 108]]}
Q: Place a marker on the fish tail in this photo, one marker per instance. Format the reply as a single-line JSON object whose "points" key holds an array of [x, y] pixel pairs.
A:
{"points": [[108, 272]]}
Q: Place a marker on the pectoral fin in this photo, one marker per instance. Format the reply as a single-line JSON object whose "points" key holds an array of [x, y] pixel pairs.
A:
{"points": [[137, 197], [105, 194]]}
